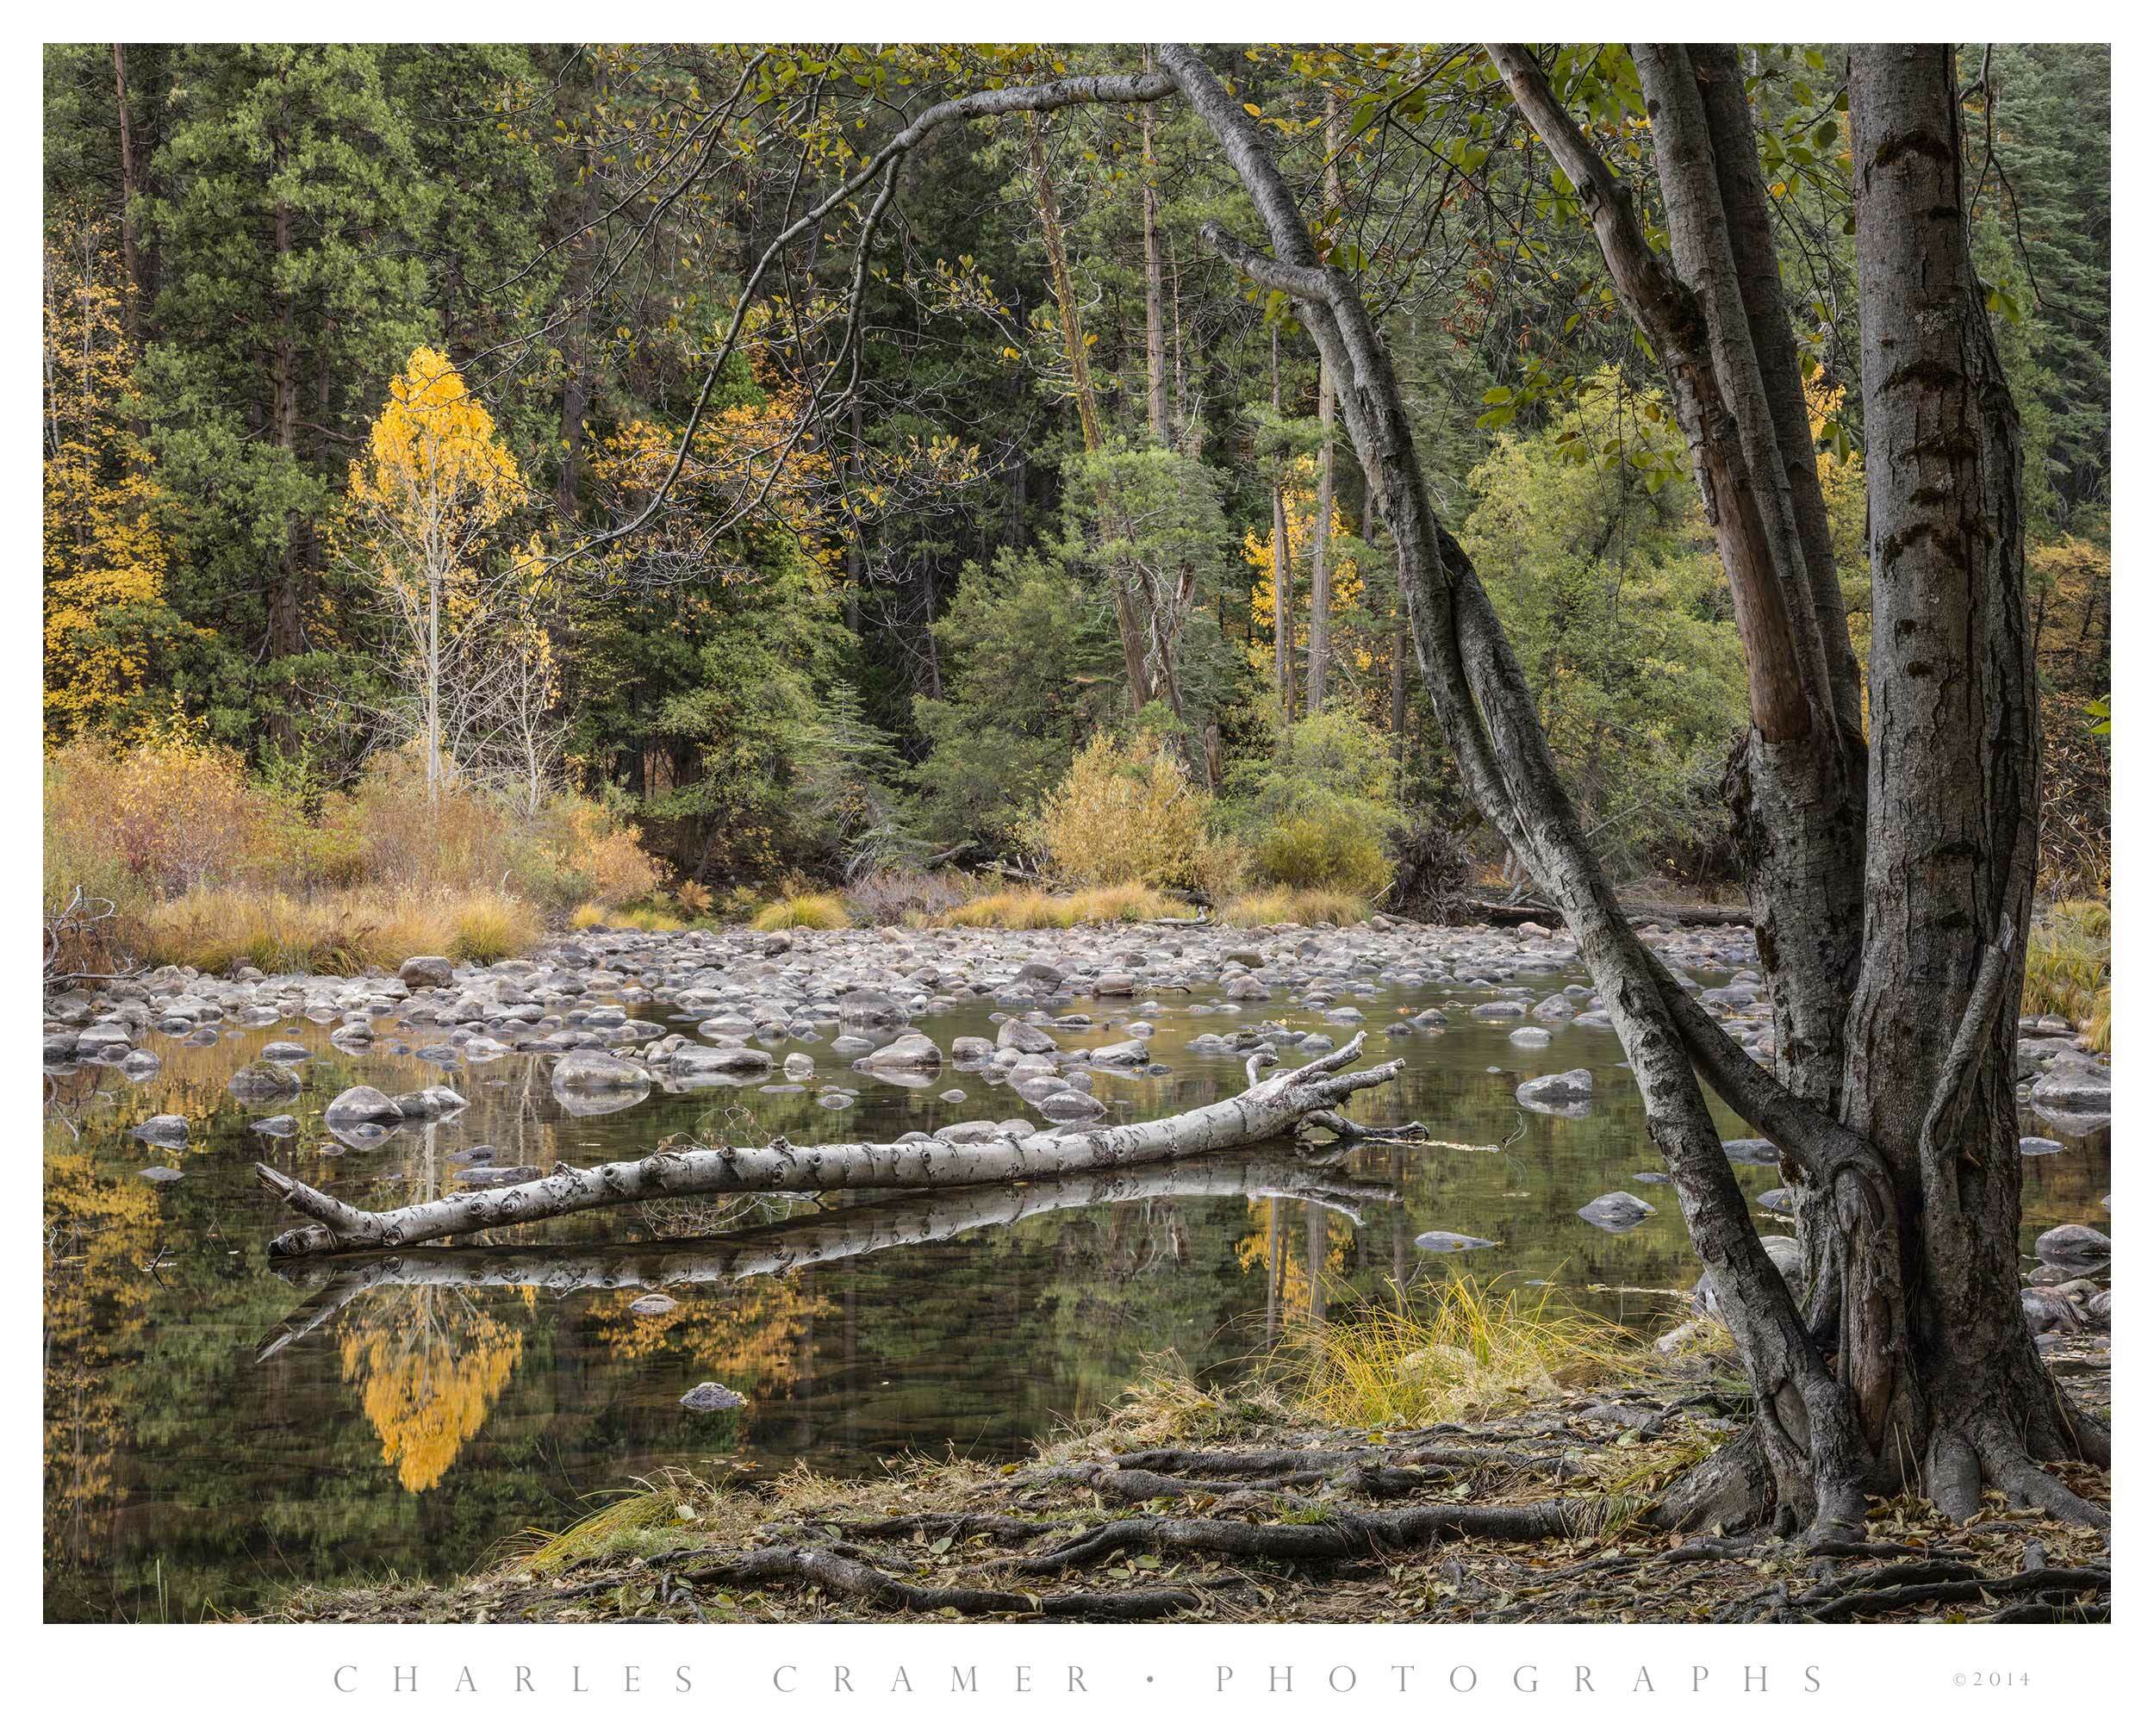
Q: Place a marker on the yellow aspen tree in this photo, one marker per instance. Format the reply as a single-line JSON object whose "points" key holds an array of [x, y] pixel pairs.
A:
{"points": [[435, 483]]}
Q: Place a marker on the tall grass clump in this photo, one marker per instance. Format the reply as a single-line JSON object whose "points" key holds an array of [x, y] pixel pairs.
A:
{"points": [[2068, 968], [218, 929], [1452, 1352], [1132, 901], [801, 910], [1295, 907]]}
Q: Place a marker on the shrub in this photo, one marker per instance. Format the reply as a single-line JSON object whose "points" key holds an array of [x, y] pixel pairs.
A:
{"points": [[1333, 850], [801, 910], [588, 914], [893, 895], [1431, 871], [1319, 812], [170, 813], [1126, 814]]}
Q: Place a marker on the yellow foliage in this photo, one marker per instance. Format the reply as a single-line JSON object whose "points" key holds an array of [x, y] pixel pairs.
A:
{"points": [[216, 929], [104, 560], [1295, 907], [1132, 901], [435, 476], [1346, 584], [1126, 814], [801, 910]]}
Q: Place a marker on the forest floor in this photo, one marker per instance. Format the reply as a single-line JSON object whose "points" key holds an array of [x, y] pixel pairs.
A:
{"points": [[1182, 1504]]}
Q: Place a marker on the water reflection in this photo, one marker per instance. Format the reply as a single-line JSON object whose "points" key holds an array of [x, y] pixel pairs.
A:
{"points": [[217, 1429]]}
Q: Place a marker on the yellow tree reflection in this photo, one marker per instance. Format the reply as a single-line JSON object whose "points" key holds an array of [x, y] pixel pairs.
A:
{"points": [[429, 1364]]}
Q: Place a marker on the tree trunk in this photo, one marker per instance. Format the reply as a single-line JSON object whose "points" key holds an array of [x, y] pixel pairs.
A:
{"points": [[130, 294], [1154, 315], [1282, 577], [1320, 536], [1953, 1385], [1308, 1094]]}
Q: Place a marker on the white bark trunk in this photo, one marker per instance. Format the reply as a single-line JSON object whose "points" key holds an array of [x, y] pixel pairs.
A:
{"points": [[1270, 1108]]}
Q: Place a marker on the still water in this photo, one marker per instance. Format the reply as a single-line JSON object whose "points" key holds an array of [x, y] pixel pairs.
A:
{"points": [[219, 1429]]}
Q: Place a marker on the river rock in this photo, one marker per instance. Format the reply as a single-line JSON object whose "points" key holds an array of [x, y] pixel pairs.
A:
{"points": [[265, 1082], [911, 1052], [2073, 1244], [1015, 1034], [276, 1127], [2081, 1087], [361, 1103], [1615, 1210], [1130, 1053], [427, 971], [1071, 1105], [868, 1008], [1756, 1152], [167, 1131], [158, 1174], [1448, 1241], [710, 1395], [1574, 1087]]}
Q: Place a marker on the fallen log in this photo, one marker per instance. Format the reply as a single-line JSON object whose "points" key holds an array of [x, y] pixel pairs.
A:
{"points": [[1667, 915], [1269, 1109], [812, 1239]]}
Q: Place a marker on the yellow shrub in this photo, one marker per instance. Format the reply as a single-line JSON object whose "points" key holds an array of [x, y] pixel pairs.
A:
{"points": [[1127, 814], [587, 916]]}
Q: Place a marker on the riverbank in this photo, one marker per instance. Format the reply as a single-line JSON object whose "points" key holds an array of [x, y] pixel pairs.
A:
{"points": [[1189, 1506]]}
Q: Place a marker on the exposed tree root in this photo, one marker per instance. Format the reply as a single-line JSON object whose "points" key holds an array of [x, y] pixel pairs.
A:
{"points": [[855, 1580], [1335, 1537]]}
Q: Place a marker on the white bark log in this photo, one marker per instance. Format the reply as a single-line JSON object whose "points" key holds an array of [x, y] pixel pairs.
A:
{"points": [[812, 1239], [1275, 1107]]}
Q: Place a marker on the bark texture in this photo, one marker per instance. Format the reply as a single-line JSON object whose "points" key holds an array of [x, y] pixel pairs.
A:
{"points": [[1269, 1109]]}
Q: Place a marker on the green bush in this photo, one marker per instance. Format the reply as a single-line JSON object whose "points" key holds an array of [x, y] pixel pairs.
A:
{"points": [[1333, 850]]}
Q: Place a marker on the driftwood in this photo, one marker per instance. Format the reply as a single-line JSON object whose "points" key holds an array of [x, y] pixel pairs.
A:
{"points": [[1667, 915], [1269, 1109], [812, 1239]]}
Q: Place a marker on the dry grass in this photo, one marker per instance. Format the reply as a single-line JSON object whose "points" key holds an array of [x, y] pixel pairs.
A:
{"points": [[2068, 969], [801, 910], [1295, 907], [368, 928], [1130, 902], [1457, 1352]]}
